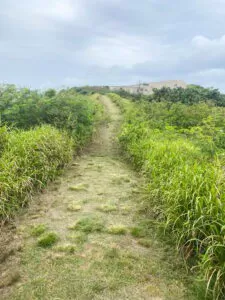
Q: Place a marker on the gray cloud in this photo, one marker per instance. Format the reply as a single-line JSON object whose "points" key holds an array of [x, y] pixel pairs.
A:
{"points": [[70, 42]]}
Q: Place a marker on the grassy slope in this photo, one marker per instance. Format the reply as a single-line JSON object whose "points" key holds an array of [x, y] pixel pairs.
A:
{"points": [[83, 239], [185, 182]]}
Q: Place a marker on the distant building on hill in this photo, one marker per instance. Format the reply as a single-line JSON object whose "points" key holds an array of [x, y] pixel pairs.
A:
{"points": [[147, 88]]}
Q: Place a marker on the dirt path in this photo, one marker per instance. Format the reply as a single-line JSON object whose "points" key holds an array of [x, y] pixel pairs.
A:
{"points": [[101, 252]]}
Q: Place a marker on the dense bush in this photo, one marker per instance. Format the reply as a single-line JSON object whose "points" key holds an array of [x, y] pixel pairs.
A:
{"points": [[43, 130], [180, 150], [23, 108], [191, 95], [87, 90]]}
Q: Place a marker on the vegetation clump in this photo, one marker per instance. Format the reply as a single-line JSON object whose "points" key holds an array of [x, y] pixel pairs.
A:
{"points": [[117, 229], [47, 240], [176, 138], [31, 159], [74, 207], [107, 208], [70, 249], [38, 230], [89, 225], [39, 134]]}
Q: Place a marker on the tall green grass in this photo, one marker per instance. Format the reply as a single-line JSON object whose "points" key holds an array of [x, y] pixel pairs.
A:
{"points": [[186, 184], [31, 159]]}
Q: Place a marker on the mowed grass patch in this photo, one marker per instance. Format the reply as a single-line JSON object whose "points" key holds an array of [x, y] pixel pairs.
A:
{"points": [[89, 225], [78, 238], [87, 275], [125, 209], [120, 179]]}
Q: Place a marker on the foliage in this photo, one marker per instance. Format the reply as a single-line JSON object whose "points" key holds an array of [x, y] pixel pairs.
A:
{"points": [[180, 149], [87, 90], [38, 135], [192, 94], [31, 158], [89, 224], [24, 108], [3, 138]]}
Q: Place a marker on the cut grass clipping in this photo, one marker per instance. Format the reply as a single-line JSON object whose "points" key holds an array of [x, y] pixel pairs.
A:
{"points": [[88, 225], [117, 229], [79, 187], [107, 208], [47, 240], [73, 207], [70, 249]]}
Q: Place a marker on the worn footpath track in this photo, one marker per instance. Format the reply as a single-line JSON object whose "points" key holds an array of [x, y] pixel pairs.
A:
{"points": [[91, 209]]}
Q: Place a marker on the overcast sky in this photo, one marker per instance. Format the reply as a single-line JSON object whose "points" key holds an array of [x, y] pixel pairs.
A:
{"points": [[108, 42]]}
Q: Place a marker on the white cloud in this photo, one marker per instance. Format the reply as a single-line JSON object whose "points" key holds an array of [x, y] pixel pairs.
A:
{"points": [[65, 10], [202, 42], [121, 50], [42, 15], [74, 81]]}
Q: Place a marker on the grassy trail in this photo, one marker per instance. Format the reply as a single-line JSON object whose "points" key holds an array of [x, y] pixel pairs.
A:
{"points": [[93, 254]]}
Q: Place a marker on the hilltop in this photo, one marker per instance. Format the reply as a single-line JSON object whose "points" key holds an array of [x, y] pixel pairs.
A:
{"points": [[147, 88]]}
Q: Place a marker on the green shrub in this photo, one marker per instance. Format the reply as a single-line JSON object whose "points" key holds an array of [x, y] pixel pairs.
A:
{"points": [[68, 110], [32, 150], [192, 94]]}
